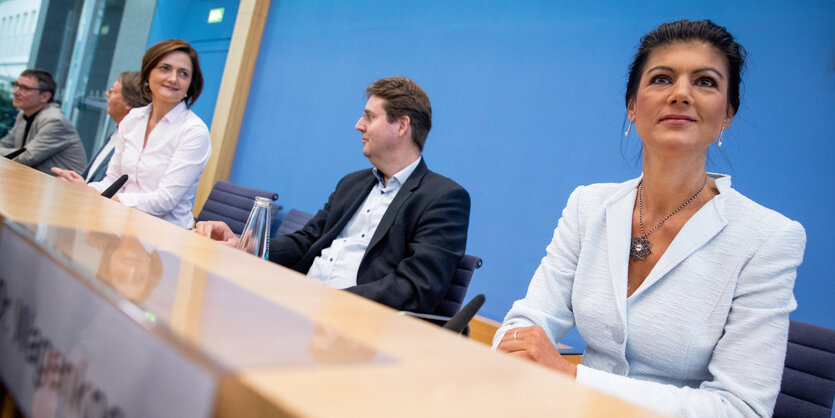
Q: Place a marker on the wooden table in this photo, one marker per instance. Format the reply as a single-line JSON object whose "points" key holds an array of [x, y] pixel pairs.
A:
{"points": [[276, 342]]}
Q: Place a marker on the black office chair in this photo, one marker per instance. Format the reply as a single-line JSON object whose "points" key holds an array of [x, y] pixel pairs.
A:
{"points": [[454, 296], [231, 203], [808, 385], [293, 221]]}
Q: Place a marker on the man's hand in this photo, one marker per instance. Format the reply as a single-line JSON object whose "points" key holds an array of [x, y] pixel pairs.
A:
{"points": [[217, 231], [533, 344]]}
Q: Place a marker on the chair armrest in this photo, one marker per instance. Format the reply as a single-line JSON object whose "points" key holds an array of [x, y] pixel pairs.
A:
{"points": [[425, 316], [435, 319]]}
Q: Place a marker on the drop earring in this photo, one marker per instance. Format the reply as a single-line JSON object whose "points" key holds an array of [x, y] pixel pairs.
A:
{"points": [[719, 140], [626, 134]]}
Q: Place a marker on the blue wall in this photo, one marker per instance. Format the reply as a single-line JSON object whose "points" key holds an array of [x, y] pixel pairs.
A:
{"points": [[528, 104], [188, 20]]}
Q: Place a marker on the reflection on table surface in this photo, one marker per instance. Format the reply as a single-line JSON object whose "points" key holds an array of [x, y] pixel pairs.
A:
{"points": [[219, 315]]}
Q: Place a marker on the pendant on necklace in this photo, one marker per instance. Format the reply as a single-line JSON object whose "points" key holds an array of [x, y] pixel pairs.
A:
{"points": [[641, 248]]}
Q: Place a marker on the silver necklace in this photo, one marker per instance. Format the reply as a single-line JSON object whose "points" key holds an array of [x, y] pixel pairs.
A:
{"points": [[641, 246]]}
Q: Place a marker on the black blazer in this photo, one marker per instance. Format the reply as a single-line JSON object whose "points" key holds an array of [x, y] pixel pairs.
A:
{"points": [[412, 256]]}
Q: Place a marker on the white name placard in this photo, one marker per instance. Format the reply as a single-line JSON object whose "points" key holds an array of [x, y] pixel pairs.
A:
{"points": [[66, 351]]}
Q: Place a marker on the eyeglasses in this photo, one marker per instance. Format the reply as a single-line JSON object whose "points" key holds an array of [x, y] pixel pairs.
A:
{"points": [[24, 88]]}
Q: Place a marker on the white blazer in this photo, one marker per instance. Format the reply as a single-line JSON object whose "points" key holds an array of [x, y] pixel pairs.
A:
{"points": [[704, 335]]}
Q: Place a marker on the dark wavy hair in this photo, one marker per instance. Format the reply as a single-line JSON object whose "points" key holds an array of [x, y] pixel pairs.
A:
{"points": [[688, 31]]}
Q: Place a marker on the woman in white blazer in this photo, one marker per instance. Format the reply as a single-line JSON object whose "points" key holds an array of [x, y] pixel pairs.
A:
{"points": [[680, 286]]}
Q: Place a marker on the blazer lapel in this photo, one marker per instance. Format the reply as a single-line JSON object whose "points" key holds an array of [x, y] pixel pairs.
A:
{"points": [[101, 170], [698, 230], [352, 206], [403, 195], [618, 237], [357, 193], [20, 123]]}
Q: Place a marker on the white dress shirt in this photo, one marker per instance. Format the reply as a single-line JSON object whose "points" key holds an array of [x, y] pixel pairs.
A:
{"points": [[163, 175], [338, 264], [705, 333]]}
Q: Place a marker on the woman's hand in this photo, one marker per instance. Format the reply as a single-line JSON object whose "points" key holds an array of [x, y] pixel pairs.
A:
{"points": [[533, 344], [69, 176], [73, 178], [217, 231]]}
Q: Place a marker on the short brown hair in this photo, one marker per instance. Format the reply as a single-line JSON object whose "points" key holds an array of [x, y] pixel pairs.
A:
{"points": [[132, 89], [157, 52], [45, 81], [405, 97]]}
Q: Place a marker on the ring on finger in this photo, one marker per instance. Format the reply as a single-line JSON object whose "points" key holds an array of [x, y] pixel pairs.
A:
{"points": [[514, 334]]}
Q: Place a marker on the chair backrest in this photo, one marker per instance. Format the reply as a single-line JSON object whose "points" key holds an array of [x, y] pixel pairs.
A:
{"points": [[231, 203], [808, 386], [454, 297], [293, 221]]}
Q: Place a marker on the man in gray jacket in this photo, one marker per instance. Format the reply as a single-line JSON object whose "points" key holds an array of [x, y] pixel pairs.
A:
{"points": [[49, 138]]}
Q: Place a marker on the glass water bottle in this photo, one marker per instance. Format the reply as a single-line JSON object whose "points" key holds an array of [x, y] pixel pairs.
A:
{"points": [[255, 238]]}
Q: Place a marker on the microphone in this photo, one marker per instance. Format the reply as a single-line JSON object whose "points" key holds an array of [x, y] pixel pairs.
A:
{"points": [[15, 153], [110, 191], [458, 322]]}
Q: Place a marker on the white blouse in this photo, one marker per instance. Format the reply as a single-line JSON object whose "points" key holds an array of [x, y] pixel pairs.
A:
{"points": [[162, 175]]}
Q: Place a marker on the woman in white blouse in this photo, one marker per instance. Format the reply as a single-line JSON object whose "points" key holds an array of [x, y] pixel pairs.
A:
{"points": [[680, 286], [165, 145]]}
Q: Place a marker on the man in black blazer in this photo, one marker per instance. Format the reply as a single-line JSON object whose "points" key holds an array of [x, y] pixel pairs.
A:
{"points": [[394, 233]]}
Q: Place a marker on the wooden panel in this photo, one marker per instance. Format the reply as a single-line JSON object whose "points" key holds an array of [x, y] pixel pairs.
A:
{"points": [[233, 94], [483, 329]]}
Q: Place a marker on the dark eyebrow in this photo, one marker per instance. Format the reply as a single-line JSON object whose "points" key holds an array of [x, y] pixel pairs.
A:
{"points": [[173, 66], [709, 69], [660, 67], [697, 70]]}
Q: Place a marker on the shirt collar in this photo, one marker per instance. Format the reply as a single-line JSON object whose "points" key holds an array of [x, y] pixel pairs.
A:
{"points": [[32, 117], [178, 110], [401, 176], [723, 181], [172, 114]]}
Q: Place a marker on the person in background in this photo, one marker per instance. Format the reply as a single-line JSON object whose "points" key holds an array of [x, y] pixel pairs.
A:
{"points": [[125, 95], [680, 286], [49, 138], [164, 145], [393, 233]]}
